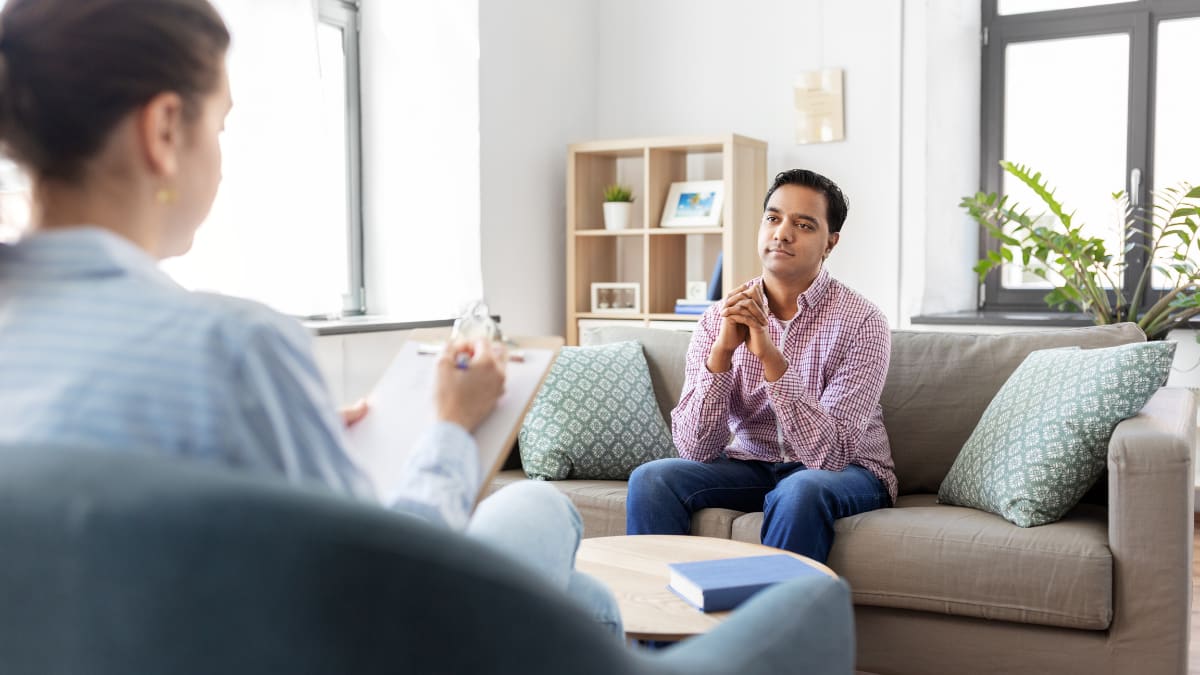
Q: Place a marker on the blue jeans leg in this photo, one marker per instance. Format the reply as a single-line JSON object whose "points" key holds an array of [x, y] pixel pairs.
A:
{"points": [[664, 494], [798, 514]]}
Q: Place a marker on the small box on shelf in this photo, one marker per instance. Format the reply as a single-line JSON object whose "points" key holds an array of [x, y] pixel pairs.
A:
{"points": [[616, 298]]}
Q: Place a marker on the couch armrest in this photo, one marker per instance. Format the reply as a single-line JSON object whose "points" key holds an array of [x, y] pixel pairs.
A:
{"points": [[1150, 496]]}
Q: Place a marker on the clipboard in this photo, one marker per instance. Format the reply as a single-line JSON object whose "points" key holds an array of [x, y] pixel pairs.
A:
{"points": [[402, 409]]}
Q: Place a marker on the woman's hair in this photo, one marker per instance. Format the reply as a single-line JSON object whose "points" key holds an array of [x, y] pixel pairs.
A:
{"points": [[71, 69]]}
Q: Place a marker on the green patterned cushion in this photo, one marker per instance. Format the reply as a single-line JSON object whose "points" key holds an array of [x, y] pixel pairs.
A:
{"points": [[1043, 440], [595, 416]]}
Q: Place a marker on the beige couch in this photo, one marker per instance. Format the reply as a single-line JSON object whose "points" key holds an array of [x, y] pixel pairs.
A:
{"points": [[945, 589]]}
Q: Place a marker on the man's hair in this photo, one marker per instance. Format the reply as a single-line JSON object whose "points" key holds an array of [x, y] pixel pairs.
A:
{"points": [[835, 202]]}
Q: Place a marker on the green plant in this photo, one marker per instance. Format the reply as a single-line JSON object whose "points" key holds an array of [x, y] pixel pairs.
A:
{"points": [[1087, 276], [618, 193]]}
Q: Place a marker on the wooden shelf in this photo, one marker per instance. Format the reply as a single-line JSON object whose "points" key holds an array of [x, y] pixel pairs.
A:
{"points": [[600, 232], [664, 231], [660, 260]]}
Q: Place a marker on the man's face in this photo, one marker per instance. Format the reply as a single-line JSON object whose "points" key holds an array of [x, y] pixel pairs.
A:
{"points": [[794, 236]]}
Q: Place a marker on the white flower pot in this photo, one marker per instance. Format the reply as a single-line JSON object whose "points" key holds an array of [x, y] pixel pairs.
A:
{"points": [[616, 215]]}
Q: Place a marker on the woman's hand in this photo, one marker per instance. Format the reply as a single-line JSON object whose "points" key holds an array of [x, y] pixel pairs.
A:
{"points": [[470, 379], [354, 412]]}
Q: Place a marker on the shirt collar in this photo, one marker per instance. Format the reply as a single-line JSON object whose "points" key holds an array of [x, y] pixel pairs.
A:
{"points": [[80, 252], [814, 294], [816, 291]]}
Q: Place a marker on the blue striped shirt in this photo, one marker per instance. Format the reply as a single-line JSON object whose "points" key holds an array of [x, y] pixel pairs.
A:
{"points": [[99, 348]]}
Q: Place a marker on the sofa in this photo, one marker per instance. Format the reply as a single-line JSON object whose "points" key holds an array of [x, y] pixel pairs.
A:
{"points": [[946, 589], [118, 563]]}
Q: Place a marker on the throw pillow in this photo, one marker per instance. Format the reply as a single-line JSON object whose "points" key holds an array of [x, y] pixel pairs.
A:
{"points": [[1043, 440], [595, 416]]}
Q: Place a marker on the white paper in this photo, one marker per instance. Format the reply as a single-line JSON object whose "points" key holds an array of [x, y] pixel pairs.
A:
{"points": [[402, 408]]}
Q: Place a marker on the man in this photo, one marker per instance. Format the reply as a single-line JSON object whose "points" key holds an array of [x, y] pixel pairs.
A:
{"points": [[792, 365]]}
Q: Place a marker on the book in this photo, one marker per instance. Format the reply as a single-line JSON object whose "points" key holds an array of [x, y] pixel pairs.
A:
{"points": [[402, 409], [692, 306], [719, 585], [714, 284]]}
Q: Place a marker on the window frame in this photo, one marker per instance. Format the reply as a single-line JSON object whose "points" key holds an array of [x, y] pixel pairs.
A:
{"points": [[344, 15], [1139, 20]]}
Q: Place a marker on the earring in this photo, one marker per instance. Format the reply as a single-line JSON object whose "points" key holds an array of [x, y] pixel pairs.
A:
{"points": [[165, 196]]}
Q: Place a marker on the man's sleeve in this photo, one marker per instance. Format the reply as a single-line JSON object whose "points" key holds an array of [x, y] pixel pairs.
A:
{"points": [[700, 422], [825, 433]]}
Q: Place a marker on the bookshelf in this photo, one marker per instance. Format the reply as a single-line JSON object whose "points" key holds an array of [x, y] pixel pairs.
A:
{"points": [[660, 260]]}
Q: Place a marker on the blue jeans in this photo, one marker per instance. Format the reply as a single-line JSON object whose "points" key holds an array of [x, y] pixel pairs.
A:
{"points": [[799, 504], [538, 527]]}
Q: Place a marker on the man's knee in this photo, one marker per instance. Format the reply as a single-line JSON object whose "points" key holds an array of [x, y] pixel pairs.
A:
{"points": [[653, 476], [803, 490]]}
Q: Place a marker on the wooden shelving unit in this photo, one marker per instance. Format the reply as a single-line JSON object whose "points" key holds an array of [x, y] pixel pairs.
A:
{"points": [[661, 260]]}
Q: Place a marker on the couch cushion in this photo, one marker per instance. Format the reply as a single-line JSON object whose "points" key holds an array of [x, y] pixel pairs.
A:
{"points": [[922, 555], [595, 416], [1043, 441], [939, 384], [928, 556], [665, 351]]}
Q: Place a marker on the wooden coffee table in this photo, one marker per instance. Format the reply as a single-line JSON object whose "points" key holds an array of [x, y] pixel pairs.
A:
{"points": [[635, 568]]}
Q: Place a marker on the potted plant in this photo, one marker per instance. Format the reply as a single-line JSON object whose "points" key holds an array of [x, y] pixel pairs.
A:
{"points": [[618, 205], [1086, 276]]}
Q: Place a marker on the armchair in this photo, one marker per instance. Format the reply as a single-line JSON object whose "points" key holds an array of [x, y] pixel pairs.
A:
{"points": [[125, 562]]}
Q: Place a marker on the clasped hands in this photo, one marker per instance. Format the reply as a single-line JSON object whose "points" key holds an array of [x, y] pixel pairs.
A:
{"points": [[744, 321]]}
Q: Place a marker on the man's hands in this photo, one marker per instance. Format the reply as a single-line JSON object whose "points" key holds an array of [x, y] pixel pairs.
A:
{"points": [[744, 321], [465, 394]]}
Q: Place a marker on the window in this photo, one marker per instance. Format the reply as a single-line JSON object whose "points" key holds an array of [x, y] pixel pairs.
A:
{"points": [[286, 228], [1096, 95]]}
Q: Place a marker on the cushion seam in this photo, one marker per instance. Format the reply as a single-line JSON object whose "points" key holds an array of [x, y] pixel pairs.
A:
{"points": [[965, 603], [1094, 556]]}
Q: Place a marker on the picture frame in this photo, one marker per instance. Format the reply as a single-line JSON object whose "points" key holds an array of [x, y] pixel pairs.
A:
{"points": [[694, 203], [617, 297]]}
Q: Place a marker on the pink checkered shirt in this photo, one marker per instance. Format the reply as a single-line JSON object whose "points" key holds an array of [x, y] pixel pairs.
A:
{"points": [[826, 404]]}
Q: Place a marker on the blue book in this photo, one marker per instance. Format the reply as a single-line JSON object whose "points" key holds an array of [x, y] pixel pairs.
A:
{"points": [[718, 585], [714, 284]]}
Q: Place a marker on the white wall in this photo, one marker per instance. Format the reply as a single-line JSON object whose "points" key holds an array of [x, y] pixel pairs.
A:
{"points": [[537, 94], [939, 155], [556, 73], [710, 66]]}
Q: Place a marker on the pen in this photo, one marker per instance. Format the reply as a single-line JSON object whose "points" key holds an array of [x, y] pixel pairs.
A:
{"points": [[434, 348], [461, 359]]}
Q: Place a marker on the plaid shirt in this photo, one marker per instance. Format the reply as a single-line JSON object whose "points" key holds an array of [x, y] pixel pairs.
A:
{"points": [[825, 409]]}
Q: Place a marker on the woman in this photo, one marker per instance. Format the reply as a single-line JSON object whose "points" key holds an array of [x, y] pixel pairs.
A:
{"points": [[114, 107]]}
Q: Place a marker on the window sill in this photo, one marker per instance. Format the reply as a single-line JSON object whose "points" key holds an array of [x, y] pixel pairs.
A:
{"points": [[1010, 318], [348, 325], [1015, 318]]}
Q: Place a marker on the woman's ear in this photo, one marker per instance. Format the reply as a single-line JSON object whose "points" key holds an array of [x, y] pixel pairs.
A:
{"points": [[160, 130]]}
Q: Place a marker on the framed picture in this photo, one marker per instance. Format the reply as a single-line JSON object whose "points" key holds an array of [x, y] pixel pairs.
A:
{"points": [[616, 298], [696, 203]]}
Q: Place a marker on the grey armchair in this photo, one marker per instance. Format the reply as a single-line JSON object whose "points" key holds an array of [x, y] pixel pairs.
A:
{"points": [[130, 563]]}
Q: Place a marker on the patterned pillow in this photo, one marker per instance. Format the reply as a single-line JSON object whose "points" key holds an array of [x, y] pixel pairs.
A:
{"points": [[595, 416], [1043, 440]]}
